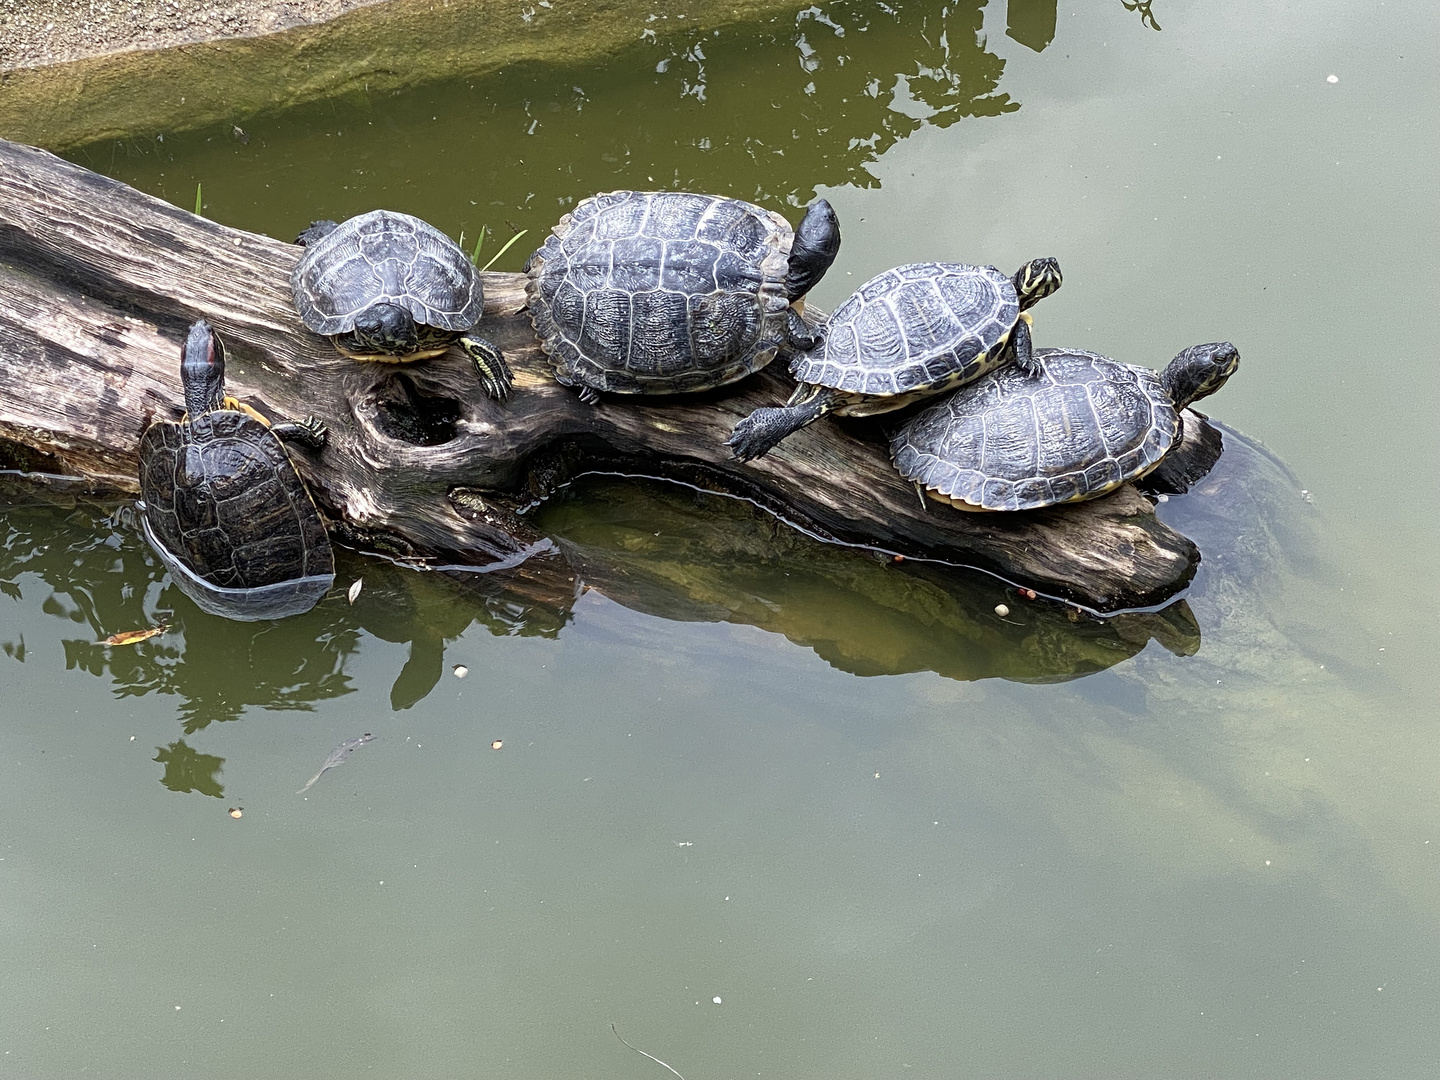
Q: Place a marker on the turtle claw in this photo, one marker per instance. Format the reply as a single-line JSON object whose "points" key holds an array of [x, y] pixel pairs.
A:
{"points": [[495, 375], [798, 334], [319, 431], [589, 395]]}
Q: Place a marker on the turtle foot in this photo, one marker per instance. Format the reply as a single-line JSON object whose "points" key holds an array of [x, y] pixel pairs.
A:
{"points": [[760, 432], [310, 432], [316, 230], [495, 375], [797, 334], [1023, 351]]}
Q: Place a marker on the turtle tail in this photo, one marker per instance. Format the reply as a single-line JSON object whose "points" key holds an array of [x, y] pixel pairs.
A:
{"points": [[759, 433]]}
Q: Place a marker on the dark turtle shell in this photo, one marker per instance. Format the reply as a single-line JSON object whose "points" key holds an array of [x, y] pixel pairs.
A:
{"points": [[385, 257], [223, 502], [640, 292], [922, 327], [1011, 441]]}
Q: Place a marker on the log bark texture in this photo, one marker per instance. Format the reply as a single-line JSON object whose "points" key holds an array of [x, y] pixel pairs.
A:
{"points": [[98, 283]]}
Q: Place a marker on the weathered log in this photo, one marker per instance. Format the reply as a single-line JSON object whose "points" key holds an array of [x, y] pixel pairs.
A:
{"points": [[98, 282]]}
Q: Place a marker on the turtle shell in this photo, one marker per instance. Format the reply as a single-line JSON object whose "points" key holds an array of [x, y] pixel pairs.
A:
{"points": [[639, 292], [385, 257], [1010, 441], [224, 502], [919, 328]]}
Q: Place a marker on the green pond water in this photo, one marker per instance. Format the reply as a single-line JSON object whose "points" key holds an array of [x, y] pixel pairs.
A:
{"points": [[771, 808]]}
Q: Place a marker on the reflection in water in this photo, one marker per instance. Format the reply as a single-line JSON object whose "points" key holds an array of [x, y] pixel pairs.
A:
{"points": [[653, 546], [187, 770], [1147, 18], [96, 573], [430, 610], [676, 553], [1251, 518], [688, 555], [767, 111], [1030, 22]]}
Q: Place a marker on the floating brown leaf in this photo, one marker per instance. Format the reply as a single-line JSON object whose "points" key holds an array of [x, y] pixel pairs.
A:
{"points": [[130, 637]]}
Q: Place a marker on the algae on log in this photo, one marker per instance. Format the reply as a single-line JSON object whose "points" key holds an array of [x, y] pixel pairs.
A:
{"points": [[98, 283]]}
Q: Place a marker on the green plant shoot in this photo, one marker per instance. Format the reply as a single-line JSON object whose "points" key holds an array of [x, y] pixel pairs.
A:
{"points": [[496, 257]]}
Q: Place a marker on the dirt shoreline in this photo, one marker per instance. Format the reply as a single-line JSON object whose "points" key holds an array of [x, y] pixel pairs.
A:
{"points": [[37, 33]]}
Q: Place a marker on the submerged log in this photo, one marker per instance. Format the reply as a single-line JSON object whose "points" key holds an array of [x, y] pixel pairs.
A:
{"points": [[98, 283]]}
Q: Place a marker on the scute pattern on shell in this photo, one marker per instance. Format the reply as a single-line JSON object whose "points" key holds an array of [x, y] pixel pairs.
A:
{"points": [[918, 326], [1013, 442], [390, 257], [224, 499], [660, 292]]}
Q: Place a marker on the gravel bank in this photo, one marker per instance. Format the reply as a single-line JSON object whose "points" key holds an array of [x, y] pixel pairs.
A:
{"points": [[34, 33]]}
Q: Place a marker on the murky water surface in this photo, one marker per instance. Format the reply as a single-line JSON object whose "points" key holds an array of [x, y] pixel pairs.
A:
{"points": [[769, 808]]}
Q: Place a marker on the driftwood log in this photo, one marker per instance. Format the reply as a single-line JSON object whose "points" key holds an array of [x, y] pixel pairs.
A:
{"points": [[98, 283]]}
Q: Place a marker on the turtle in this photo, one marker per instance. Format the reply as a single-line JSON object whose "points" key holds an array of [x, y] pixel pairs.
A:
{"points": [[913, 331], [663, 292], [1080, 428], [222, 504], [387, 286]]}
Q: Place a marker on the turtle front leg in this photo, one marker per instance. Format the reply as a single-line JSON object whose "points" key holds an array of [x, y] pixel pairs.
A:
{"points": [[490, 365], [1022, 347], [758, 433], [310, 432], [797, 333], [316, 231]]}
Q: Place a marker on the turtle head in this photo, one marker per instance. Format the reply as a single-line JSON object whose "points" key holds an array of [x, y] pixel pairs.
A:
{"points": [[202, 370], [817, 242], [387, 328], [1036, 280], [1199, 371]]}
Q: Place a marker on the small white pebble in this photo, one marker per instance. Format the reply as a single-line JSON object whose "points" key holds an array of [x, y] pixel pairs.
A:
{"points": [[716, 1000], [1001, 610], [461, 671], [1332, 79]]}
